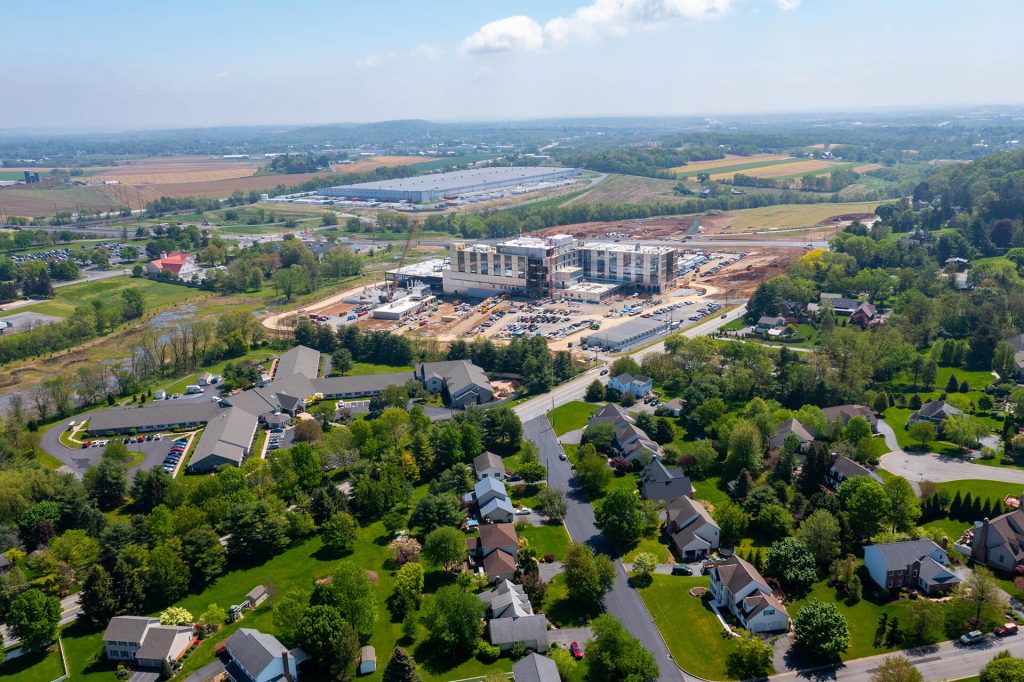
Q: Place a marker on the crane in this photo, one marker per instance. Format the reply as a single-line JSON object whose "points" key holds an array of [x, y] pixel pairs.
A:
{"points": [[401, 262]]}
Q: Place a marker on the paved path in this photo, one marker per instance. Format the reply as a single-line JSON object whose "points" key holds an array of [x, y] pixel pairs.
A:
{"points": [[917, 467]]}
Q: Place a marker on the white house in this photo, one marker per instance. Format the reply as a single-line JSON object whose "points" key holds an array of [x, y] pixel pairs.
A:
{"points": [[738, 587], [694, 532], [488, 465], [259, 657], [145, 641], [627, 383]]}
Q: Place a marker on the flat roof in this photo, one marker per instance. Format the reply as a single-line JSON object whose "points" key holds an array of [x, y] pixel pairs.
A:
{"points": [[459, 179], [592, 286], [627, 248], [423, 269], [402, 305], [627, 330]]}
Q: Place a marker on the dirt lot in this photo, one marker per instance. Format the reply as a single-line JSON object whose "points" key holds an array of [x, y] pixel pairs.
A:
{"points": [[867, 167], [627, 189], [172, 170], [23, 201], [738, 281]]}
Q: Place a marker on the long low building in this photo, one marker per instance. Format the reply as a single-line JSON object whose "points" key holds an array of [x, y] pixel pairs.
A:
{"points": [[626, 334], [436, 186], [232, 420]]}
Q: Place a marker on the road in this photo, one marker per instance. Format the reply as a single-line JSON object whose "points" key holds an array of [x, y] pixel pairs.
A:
{"points": [[90, 275], [69, 611], [926, 466]]}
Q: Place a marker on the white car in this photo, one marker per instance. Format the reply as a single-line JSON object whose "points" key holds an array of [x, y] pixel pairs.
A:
{"points": [[523, 511]]}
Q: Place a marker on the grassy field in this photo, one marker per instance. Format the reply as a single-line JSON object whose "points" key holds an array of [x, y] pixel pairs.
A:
{"points": [[819, 171], [157, 295], [371, 368], [179, 385], [33, 667], [733, 163], [627, 189], [710, 490], [571, 416], [548, 539], [794, 215], [987, 490], [691, 630]]}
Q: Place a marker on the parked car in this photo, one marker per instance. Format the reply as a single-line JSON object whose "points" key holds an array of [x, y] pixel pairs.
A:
{"points": [[604, 371], [576, 650], [972, 637], [1006, 629], [561, 456], [681, 569], [523, 511]]}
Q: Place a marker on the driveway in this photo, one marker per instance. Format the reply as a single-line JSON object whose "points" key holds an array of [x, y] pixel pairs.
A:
{"points": [[565, 636]]}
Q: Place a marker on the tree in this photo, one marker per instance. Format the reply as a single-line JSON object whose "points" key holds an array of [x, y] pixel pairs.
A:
{"points": [[904, 508], [344, 653], [979, 597], [317, 630], [595, 392], [751, 658], [202, 550], [616, 656], [341, 361], [401, 668], [587, 576], [453, 619], [856, 430], [552, 503], [921, 432], [819, 533], [592, 472], [1003, 668], [75, 548], [167, 576], [176, 615], [732, 522], [745, 449], [445, 547], [99, 603], [532, 472], [288, 609], [792, 563], [404, 549], [821, 630], [34, 618], [107, 483], [865, 503], [308, 431], [963, 429], [923, 622], [600, 435], [213, 615], [354, 596], [896, 669], [775, 520], [622, 518], [339, 533], [643, 565]]}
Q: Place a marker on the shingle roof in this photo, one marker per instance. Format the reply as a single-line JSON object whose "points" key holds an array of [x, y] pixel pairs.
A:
{"points": [[299, 360], [457, 374], [847, 468], [487, 460], [934, 573], [898, 555], [525, 629], [489, 485], [228, 435], [938, 408], [793, 426], [536, 668], [657, 482], [361, 384], [495, 504], [160, 413], [159, 640], [682, 508], [612, 413], [128, 628], [254, 650], [498, 535], [844, 413], [499, 562]]}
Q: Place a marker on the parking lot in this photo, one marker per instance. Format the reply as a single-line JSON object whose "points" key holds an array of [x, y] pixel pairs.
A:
{"points": [[280, 438], [78, 460]]}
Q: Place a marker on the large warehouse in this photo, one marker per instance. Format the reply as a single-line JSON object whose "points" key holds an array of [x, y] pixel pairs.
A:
{"points": [[437, 186], [626, 334]]}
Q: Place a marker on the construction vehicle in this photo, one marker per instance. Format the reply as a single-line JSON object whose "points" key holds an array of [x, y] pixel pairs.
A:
{"points": [[393, 287]]}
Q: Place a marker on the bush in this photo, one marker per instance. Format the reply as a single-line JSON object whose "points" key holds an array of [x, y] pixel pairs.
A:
{"points": [[487, 653], [517, 651]]}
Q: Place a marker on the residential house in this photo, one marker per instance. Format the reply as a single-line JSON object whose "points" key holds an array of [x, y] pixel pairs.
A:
{"points": [[934, 411], [844, 468], [792, 311], [535, 668], [492, 500], [5, 563], [1018, 356], [791, 426], [496, 550], [738, 587], [614, 414], [488, 465], [957, 263], [864, 314], [145, 641], [258, 657], [181, 265], [766, 323], [999, 542], [464, 383], [627, 383], [693, 531], [910, 564], [634, 444], [659, 483], [840, 414], [512, 619], [840, 304]]}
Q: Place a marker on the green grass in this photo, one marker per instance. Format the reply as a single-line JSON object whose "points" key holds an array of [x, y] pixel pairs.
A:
{"points": [[43, 667], [862, 617], [157, 295], [47, 460], [951, 528], [547, 539], [445, 162], [371, 368], [562, 611], [737, 167], [987, 490], [571, 416], [259, 354], [691, 630], [821, 171], [653, 546], [711, 490]]}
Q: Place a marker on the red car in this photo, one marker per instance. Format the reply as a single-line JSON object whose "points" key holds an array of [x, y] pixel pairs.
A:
{"points": [[576, 650], [1006, 629]]}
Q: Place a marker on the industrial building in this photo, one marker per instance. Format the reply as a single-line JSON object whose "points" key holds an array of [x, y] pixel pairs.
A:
{"points": [[438, 186], [428, 272], [589, 292], [419, 298], [626, 334], [650, 269]]}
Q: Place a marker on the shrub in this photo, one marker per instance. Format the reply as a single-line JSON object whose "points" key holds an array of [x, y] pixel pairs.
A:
{"points": [[487, 653]]}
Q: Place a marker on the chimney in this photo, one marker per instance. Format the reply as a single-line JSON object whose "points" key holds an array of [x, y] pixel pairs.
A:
{"points": [[979, 550], [945, 542], [1020, 501], [163, 254], [287, 669]]}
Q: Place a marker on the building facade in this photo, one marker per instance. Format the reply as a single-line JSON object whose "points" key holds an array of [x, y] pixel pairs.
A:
{"points": [[650, 269]]}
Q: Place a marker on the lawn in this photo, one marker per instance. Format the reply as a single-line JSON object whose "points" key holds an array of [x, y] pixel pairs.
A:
{"points": [[691, 630], [157, 295], [987, 490], [710, 490], [862, 617], [178, 386], [562, 611], [571, 416], [371, 368], [653, 546], [547, 539], [794, 215], [34, 667]]}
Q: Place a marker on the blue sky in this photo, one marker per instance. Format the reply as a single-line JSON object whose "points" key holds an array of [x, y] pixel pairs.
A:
{"points": [[114, 65]]}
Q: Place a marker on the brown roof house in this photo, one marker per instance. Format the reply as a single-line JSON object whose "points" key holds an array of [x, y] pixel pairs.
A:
{"points": [[694, 533], [999, 542], [496, 550], [844, 468], [840, 414], [737, 587]]}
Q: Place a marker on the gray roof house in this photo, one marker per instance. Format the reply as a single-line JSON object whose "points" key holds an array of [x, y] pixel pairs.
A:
{"points": [[535, 668], [840, 414], [659, 483], [360, 385], [935, 411], [488, 465], [259, 657], [465, 383], [145, 641], [611, 413], [787, 427], [910, 564], [299, 360], [512, 618], [843, 468], [999, 542], [226, 440], [693, 531], [490, 496]]}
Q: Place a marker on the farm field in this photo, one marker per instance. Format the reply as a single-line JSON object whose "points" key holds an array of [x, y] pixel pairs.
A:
{"points": [[160, 170], [727, 161], [790, 168], [22, 201], [628, 189], [793, 215]]}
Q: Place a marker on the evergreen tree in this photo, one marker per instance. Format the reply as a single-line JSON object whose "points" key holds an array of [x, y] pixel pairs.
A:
{"points": [[744, 483], [964, 387], [952, 385], [956, 508], [968, 507], [401, 668], [99, 603]]}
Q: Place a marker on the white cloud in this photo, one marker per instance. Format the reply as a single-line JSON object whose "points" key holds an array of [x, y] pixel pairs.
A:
{"points": [[431, 52], [600, 18], [787, 5]]}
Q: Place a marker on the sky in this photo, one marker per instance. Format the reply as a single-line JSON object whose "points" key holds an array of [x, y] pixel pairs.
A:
{"points": [[114, 65]]}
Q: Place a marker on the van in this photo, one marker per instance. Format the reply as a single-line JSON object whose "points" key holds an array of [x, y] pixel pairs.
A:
{"points": [[193, 389]]}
